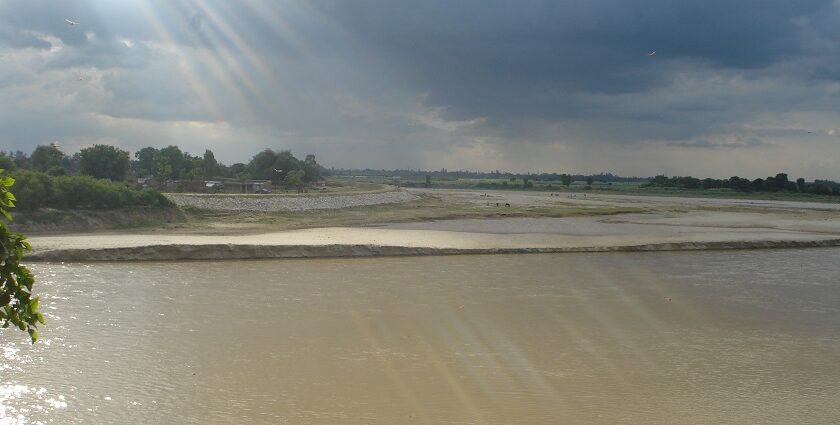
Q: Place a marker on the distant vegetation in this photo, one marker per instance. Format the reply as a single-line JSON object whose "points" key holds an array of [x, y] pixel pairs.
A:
{"points": [[490, 175], [775, 187], [104, 177], [777, 183], [169, 163]]}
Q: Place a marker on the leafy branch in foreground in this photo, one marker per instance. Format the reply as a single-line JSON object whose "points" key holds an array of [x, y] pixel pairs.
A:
{"points": [[17, 305]]}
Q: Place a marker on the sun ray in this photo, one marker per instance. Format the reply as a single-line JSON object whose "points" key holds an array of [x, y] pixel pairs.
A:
{"points": [[185, 66]]}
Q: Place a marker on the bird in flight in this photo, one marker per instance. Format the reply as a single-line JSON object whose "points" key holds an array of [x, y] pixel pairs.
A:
{"points": [[72, 23], [653, 53]]}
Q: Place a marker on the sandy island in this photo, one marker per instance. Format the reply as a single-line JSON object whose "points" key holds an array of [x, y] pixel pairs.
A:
{"points": [[666, 224]]}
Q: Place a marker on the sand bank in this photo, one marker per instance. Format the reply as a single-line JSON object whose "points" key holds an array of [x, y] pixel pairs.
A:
{"points": [[263, 203], [667, 224], [578, 234]]}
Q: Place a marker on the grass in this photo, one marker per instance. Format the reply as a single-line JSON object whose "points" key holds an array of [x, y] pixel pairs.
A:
{"points": [[620, 188]]}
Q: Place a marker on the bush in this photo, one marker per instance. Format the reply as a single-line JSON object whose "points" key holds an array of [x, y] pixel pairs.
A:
{"points": [[17, 305], [40, 190]]}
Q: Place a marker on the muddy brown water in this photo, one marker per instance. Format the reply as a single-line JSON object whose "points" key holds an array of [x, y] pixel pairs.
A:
{"points": [[690, 338]]}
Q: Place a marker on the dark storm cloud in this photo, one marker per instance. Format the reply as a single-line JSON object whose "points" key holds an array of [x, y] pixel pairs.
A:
{"points": [[473, 83], [500, 58]]}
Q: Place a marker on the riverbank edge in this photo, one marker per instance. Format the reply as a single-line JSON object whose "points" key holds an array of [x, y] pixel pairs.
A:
{"points": [[216, 252]]}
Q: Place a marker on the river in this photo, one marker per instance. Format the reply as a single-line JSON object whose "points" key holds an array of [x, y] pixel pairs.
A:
{"points": [[681, 337]]}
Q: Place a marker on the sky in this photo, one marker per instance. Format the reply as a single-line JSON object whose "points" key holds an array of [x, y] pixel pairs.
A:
{"points": [[746, 87]]}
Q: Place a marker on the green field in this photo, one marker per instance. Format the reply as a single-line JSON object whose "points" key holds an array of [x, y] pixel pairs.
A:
{"points": [[619, 188]]}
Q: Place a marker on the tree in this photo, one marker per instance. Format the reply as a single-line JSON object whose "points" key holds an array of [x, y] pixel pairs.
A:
{"points": [[45, 157], [238, 169], [780, 181], [660, 180], [210, 167], [428, 180], [7, 162], [145, 161], [21, 160], [17, 305], [566, 180], [590, 180], [170, 164], [739, 183], [311, 168], [104, 162], [800, 184], [287, 162], [263, 165], [294, 179]]}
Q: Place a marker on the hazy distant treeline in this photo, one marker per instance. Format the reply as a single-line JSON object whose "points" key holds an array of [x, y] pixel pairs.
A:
{"points": [[466, 174], [777, 183]]}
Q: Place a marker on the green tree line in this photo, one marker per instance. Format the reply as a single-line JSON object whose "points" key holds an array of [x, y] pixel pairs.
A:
{"points": [[777, 183], [168, 163]]}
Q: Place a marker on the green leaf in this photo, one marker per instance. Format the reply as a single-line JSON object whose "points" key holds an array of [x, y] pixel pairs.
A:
{"points": [[33, 334]]}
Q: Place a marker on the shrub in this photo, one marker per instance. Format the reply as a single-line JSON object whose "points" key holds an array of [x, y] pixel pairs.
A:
{"points": [[40, 190]]}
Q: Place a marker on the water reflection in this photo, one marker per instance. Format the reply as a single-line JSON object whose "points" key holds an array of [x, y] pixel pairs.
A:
{"points": [[738, 337]]}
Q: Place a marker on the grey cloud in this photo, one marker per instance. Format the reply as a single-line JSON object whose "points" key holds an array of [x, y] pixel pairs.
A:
{"points": [[13, 37], [597, 45], [393, 82], [738, 143]]}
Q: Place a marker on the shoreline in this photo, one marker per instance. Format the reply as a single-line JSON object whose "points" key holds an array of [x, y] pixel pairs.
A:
{"points": [[216, 252], [262, 252]]}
